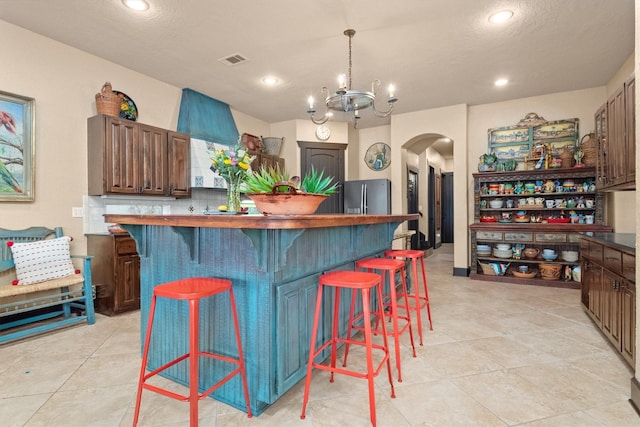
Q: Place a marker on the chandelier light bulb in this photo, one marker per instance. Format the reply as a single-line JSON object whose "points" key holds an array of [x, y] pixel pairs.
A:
{"points": [[392, 90], [311, 102]]}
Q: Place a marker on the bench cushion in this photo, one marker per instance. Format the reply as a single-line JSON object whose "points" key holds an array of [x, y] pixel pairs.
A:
{"points": [[7, 290], [43, 260]]}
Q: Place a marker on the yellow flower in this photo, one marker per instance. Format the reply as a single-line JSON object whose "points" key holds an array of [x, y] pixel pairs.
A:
{"points": [[227, 161], [243, 165]]}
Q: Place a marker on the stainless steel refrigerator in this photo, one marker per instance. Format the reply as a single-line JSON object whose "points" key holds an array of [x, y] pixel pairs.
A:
{"points": [[369, 196]]}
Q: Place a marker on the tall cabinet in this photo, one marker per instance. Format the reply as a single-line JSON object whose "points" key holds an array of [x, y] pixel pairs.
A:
{"points": [[616, 141]]}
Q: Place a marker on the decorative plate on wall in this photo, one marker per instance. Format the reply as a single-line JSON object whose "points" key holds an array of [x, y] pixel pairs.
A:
{"points": [[128, 109], [378, 156]]}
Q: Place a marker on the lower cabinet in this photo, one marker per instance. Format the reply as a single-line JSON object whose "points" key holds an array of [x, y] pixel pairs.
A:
{"points": [[608, 293], [115, 272]]}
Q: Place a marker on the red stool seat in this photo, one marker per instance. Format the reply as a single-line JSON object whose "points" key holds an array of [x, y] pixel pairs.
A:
{"points": [[192, 290], [419, 301], [356, 281], [388, 267]]}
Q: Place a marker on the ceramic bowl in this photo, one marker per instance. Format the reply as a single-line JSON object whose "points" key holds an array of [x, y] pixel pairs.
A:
{"points": [[502, 253], [495, 204], [503, 246], [483, 248], [570, 256], [549, 257]]}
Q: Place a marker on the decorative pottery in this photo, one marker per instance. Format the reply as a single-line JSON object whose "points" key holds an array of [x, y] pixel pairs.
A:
{"points": [[550, 271], [531, 252], [287, 203]]}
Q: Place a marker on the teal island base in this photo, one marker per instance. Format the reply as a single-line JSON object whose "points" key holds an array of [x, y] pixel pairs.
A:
{"points": [[274, 264]]}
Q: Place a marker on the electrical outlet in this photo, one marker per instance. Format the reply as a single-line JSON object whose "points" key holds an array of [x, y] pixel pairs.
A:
{"points": [[77, 212]]}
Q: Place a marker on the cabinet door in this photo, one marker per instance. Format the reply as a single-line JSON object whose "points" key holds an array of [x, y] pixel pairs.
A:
{"points": [[153, 156], [179, 165], [592, 279], [616, 156], [601, 144], [127, 278], [630, 122], [628, 334], [122, 173], [611, 305]]}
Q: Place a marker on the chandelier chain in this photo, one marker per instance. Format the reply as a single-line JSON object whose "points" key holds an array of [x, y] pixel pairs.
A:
{"points": [[350, 34]]}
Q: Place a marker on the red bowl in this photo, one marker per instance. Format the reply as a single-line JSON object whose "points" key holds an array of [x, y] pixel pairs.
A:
{"points": [[558, 220], [488, 219]]}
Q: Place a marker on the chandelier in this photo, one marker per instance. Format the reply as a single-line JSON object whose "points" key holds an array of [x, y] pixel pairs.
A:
{"points": [[348, 100]]}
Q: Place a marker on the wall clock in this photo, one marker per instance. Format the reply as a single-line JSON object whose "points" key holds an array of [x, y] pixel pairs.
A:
{"points": [[323, 132], [378, 156]]}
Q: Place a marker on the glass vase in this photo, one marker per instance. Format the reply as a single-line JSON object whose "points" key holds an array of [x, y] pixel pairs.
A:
{"points": [[233, 196]]}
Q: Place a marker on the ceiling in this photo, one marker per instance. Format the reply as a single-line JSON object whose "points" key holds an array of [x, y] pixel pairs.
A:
{"points": [[436, 52]]}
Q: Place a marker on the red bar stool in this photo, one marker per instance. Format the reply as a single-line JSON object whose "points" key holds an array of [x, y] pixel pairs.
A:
{"points": [[420, 301], [390, 267], [192, 290], [365, 283]]}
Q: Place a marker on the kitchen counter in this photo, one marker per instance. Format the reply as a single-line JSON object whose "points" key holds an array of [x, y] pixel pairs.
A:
{"points": [[623, 241], [274, 263]]}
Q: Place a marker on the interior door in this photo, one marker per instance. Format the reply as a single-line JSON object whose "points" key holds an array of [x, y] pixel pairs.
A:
{"points": [[327, 157], [438, 209], [447, 207], [412, 206]]}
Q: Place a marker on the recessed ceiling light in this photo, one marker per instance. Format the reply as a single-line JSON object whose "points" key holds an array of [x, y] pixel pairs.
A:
{"points": [[501, 82], [270, 80], [500, 17], [136, 4]]}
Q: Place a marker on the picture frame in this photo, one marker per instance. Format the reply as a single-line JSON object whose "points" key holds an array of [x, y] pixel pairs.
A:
{"points": [[17, 148]]}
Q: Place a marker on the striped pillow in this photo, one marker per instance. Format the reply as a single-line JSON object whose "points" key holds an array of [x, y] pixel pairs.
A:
{"points": [[42, 260]]}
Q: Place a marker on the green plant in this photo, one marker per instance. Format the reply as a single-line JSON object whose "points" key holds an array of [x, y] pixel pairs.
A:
{"points": [[264, 180]]}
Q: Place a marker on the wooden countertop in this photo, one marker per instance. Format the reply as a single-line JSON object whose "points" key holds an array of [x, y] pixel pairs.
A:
{"points": [[257, 221]]}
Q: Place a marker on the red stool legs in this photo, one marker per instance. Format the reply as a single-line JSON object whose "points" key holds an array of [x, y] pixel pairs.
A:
{"points": [[191, 290], [356, 281]]}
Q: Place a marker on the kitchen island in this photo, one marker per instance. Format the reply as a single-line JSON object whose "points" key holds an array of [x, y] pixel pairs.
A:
{"points": [[274, 263]]}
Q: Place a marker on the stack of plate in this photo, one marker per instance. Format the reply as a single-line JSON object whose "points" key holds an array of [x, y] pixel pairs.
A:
{"points": [[570, 256], [502, 253], [483, 250]]}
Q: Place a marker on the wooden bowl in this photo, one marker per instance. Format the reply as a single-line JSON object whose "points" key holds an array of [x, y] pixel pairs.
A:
{"points": [[528, 275]]}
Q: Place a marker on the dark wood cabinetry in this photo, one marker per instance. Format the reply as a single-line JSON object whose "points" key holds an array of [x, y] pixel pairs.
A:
{"points": [[615, 136], [126, 157], [267, 161], [608, 292], [116, 272]]}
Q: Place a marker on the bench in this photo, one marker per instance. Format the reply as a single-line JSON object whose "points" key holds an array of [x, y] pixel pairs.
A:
{"points": [[27, 310]]}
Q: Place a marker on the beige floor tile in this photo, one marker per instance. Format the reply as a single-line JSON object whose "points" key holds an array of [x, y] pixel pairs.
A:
{"points": [[499, 355]]}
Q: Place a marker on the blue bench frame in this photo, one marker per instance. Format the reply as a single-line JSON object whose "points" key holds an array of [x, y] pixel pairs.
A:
{"points": [[29, 310]]}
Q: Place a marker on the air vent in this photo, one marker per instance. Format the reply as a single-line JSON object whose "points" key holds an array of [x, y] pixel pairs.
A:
{"points": [[234, 59]]}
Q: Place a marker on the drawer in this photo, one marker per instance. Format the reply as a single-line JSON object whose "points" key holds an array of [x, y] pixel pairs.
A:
{"points": [[488, 235], [125, 245], [518, 237], [574, 238], [595, 251], [551, 237], [584, 247], [612, 260], [629, 267]]}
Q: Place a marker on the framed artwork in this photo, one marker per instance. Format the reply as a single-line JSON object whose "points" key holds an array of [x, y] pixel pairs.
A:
{"points": [[378, 156], [17, 148]]}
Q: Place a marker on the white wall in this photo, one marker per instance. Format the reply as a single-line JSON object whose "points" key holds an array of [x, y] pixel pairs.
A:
{"points": [[450, 122]]}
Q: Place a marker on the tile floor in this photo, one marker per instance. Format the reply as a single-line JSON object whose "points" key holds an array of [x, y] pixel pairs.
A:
{"points": [[499, 355]]}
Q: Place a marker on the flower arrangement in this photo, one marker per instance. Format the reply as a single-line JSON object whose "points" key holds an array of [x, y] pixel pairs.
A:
{"points": [[233, 165]]}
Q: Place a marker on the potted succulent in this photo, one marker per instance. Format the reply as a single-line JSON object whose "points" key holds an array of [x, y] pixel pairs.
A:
{"points": [[487, 162], [275, 192]]}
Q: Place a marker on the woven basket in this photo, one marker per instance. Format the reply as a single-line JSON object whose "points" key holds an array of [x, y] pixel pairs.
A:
{"points": [[567, 157], [589, 148], [271, 145], [108, 102]]}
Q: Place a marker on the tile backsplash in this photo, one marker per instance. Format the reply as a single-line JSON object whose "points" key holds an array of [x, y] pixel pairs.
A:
{"points": [[96, 206]]}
